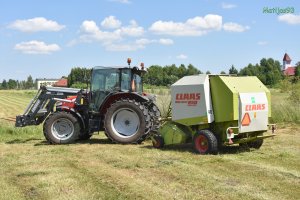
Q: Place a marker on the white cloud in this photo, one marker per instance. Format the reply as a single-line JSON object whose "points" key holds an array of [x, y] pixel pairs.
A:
{"points": [[289, 18], [144, 41], [121, 1], [111, 22], [136, 45], [165, 41], [124, 47], [262, 43], [228, 6], [132, 30], [234, 27], [196, 26], [36, 47], [90, 32], [182, 56], [35, 25]]}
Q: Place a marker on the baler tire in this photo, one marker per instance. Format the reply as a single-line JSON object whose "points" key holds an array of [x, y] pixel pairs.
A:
{"points": [[61, 120], [85, 136], [205, 142], [256, 144], [133, 108], [159, 142]]}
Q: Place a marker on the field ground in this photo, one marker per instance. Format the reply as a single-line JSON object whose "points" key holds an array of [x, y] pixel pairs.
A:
{"points": [[97, 169]]}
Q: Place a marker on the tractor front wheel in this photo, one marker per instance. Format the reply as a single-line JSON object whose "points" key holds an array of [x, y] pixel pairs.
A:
{"points": [[61, 128], [205, 142]]}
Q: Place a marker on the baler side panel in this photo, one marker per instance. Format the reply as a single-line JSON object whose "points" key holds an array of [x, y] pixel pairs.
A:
{"points": [[191, 101], [222, 100]]}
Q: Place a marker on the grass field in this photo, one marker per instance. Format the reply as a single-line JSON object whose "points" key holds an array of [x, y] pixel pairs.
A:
{"points": [[97, 169]]}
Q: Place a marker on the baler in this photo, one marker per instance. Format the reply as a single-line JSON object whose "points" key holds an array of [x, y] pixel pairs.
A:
{"points": [[214, 111]]}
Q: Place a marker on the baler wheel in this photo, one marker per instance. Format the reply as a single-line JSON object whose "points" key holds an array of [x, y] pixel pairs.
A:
{"points": [[256, 144], [85, 136], [158, 141], [205, 142]]}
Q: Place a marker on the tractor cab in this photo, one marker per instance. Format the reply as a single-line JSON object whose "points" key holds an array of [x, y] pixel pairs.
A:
{"points": [[106, 81]]}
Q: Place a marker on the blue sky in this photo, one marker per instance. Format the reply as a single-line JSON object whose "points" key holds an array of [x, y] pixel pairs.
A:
{"points": [[46, 38]]}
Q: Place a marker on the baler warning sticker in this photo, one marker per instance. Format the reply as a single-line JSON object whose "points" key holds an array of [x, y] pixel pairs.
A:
{"points": [[191, 99], [246, 120]]}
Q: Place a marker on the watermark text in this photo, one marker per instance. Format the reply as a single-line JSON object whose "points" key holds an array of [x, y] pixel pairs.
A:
{"points": [[278, 10]]}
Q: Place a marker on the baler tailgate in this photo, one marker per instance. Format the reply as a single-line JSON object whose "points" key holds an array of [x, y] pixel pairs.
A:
{"points": [[253, 112]]}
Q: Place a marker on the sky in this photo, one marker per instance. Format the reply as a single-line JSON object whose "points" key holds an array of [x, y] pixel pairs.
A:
{"points": [[46, 38]]}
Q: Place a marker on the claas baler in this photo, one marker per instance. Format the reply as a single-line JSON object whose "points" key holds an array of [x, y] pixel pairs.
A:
{"points": [[212, 111]]}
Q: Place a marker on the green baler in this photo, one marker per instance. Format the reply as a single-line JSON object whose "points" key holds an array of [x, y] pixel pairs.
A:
{"points": [[214, 111]]}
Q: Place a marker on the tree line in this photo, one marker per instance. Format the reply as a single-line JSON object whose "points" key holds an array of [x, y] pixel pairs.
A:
{"points": [[267, 70], [16, 84]]}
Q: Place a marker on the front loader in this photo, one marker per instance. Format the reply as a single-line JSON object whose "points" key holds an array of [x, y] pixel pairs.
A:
{"points": [[115, 104]]}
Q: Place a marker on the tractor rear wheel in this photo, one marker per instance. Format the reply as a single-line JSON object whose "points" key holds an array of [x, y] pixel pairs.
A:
{"points": [[61, 128], [155, 115], [205, 142], [126, 121]]}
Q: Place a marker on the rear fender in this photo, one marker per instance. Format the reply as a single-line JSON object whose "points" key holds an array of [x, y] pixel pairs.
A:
{"points": [[110, 99]]}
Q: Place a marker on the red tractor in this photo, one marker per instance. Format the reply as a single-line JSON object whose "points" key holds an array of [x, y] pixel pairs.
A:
{"points": [[115, 104]]}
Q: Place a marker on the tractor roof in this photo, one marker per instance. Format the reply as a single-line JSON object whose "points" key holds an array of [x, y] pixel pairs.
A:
{"points": [[111, 67], [135, 68]]}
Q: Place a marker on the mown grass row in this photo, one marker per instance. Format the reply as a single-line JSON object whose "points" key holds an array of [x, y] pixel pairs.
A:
{"points": [[98, 169]]}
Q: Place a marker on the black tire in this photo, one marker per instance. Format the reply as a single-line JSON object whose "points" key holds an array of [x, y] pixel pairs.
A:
{"points": [[155, 115], [159, 141], [133, 121], [85, 136], [61, 128], [205, 142], [256, 144]]}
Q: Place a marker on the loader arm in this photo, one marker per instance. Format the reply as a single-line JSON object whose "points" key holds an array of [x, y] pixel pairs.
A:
{"points": [[43, 104]]}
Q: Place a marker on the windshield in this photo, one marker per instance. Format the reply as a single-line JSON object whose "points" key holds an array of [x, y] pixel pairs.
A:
{"points": [[137, 85], [126, 77], [105, 79]]}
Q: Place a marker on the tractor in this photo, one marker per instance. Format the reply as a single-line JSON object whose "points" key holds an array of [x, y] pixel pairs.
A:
{"points": [[115, 104]]}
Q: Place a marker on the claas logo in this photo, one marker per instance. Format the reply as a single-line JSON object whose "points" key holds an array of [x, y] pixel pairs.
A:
{"points": [[255, 107], [191, 99]]}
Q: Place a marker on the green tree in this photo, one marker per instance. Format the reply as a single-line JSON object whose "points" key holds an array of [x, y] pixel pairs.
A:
{"points": [[191, 70], [29, 83], [79, 76], [11, 84], [182, 71], [4, 84], [233, 70], [154, 75], [207, 72], [222, 72], [268, 71], [297, 70]]}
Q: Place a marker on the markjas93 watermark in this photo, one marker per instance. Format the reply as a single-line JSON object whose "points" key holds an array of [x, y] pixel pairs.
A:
{"points": [[277, 10]]}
